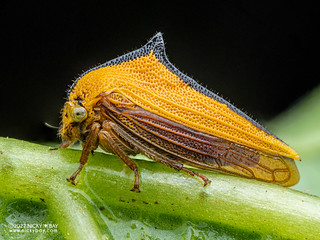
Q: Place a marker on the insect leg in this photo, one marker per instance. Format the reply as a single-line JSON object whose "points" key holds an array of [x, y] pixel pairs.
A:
{"points": [[110, 140], [192, 173], [90, 144]]}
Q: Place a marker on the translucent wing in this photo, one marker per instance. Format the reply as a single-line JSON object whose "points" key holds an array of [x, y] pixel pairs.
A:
{"points": [[165, 140]]}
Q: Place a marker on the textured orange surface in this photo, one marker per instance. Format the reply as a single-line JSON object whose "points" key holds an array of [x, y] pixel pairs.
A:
{"points": [[149, 84]]}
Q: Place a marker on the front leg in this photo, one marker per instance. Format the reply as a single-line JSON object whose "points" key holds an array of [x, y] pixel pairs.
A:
{"points": [[111, 141], [90, 145]]}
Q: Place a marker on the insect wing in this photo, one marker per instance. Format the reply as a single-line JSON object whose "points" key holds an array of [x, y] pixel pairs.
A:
{"points": [[168, 141]]}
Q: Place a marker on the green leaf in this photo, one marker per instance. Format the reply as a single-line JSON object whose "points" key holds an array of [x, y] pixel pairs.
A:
{"points": [[299, 126], [171, 205]]}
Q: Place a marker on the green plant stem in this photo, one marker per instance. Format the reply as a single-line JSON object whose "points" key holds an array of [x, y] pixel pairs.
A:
{"points": [[90, 210]]}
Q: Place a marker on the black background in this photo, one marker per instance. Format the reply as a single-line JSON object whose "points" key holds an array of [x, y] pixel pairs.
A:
{"points": [[260, 55]]}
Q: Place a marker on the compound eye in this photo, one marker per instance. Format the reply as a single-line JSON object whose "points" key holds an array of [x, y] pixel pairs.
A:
{"points": [[78, 114]]}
